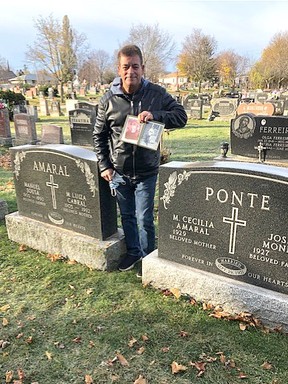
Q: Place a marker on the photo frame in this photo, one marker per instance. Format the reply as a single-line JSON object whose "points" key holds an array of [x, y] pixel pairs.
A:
{"points": [[147, 135], [131, 130], [151, 135]]}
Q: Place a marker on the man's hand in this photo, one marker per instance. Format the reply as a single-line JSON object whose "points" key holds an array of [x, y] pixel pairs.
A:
{"points": [[145, 116], [107, 174]]}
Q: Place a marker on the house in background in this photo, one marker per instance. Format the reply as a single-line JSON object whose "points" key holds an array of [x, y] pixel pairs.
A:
{"points": [[173, 80], [5, 76]]}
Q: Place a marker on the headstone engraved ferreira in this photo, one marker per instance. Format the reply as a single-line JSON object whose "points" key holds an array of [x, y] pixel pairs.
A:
{"points": [[229, 219], [25, 129], [82, 123], [60, 185], [225, 107], [256, 108], [5, 131], [246, 131], [51, 134]]}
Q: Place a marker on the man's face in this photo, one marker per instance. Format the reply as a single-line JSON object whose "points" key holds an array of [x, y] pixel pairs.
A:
{"points": [[131, 71]]}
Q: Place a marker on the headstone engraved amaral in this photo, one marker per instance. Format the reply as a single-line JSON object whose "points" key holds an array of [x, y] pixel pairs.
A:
{"points": [[247, 131], [64, 206], [223, 236]]}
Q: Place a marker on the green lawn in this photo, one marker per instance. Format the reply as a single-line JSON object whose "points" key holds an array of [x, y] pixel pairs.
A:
{"points": [[61, 322]]}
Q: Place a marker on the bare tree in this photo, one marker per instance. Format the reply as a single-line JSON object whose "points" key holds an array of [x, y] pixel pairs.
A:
{"points": [[56, 48], [157, 48], [197, 59], [95, 68]]}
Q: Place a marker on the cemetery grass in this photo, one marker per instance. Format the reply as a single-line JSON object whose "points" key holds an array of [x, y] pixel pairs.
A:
{"points": [[61, 322]]}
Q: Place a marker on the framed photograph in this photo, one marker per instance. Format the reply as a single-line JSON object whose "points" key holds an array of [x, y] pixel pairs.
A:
{"points": [[131, 130], [151, 135]]}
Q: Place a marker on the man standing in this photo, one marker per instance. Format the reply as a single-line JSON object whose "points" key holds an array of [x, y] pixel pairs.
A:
{"points": [[131, 94]]}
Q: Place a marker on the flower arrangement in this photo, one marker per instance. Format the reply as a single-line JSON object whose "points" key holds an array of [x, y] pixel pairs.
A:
{"points": [[3, 105]]}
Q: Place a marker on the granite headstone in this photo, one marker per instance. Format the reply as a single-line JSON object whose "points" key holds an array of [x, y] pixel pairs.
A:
{"points": [[25, 129], [5, 131], [227, 218], [60, 185], [247, 131], [82, 123], [51, 134]]}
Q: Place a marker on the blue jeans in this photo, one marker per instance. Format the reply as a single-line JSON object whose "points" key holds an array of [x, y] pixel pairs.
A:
{"points": [[136, 203]]}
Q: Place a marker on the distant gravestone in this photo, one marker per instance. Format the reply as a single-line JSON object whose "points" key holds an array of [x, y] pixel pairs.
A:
{"points": [[256, 108], [187, 103], [278, 106], [197, 109], [261, 97], [55, 109], [60, 185], [224, 107], [247, 131], [51, 134], [44, 109], [3, 209], [5, 131], [227, 218], [82, 123], [32, 110], [25, 129], [88, 106]]}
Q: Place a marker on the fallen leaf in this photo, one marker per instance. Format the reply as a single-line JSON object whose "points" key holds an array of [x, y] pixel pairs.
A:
{"points": [[132, 342], [49, 355], [242, 376], [8, 376], [29, 340], [20, 335], [140, 380], [77, 340], [22, 248], [88, 379], [21, 374], [176, 368], [176, 292], [5, 322], [122, 359], [165, 349], [243, 326], [184, 334], [89, 291], [141, 350], [145, 338], [4, 308], [266, 365]]}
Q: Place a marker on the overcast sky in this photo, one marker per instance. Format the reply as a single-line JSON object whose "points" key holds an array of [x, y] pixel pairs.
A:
{"points": [[244, 26]]}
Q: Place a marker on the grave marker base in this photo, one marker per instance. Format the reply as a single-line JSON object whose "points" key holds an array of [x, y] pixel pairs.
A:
{"points": [[233, 296], [97, 254]]}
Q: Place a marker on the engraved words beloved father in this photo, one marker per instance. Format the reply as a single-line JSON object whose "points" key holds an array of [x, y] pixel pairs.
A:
{"points": [[226, 218]]}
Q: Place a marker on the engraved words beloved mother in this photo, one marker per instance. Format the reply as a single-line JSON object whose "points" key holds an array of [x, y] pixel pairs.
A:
{"points": [[226, 218]]}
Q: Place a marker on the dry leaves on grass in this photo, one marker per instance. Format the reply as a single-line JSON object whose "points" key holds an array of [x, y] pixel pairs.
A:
{"points": [[177, 368], [140, 380]]}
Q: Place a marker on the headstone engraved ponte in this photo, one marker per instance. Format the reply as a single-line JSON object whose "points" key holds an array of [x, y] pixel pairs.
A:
{"points": [[227, 218]]}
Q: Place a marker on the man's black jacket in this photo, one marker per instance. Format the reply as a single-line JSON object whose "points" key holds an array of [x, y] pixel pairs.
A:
{"points": [[129, 159]]}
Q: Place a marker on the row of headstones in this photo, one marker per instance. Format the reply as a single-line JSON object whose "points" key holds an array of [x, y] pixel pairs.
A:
{"points": [[227, 108], [81, 120]]}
